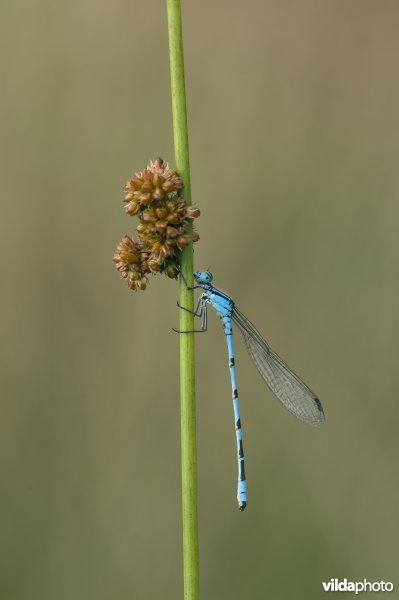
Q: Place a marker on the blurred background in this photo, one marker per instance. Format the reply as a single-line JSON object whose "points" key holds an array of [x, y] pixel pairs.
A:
{"points": [[293, 123]]}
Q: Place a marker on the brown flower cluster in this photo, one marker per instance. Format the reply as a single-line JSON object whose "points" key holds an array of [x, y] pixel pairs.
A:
{"points": [[153, 195]]}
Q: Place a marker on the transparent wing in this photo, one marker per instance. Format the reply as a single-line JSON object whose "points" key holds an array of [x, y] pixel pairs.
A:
{"points": [[289, 389]]}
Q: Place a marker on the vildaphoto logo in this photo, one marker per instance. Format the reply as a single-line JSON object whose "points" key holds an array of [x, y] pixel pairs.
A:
{"points": [[336, 585]]}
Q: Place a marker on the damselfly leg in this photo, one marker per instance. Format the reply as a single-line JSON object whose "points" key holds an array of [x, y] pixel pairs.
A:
{"points": [[200, 311]]}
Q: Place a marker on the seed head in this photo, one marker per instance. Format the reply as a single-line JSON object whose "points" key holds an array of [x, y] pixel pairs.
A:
{"points": [[131, 261], [153, 184], [154, 196], [171, 270], [192, 212]]}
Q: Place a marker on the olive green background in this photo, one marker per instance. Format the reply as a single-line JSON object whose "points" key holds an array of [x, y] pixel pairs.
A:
{"points": [[293, 122]]}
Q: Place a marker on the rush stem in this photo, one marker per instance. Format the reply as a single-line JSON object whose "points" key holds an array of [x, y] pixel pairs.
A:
{"points": [[187, 363]]}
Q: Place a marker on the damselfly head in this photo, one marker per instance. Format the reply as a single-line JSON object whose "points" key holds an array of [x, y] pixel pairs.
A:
{"points": [[202, 277]]}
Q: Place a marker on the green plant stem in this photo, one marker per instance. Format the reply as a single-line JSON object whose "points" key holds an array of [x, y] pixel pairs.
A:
{"points": [[187, 362]]}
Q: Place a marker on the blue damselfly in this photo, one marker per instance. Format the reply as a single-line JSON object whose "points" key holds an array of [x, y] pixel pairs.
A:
{"points": [[285, 385]]}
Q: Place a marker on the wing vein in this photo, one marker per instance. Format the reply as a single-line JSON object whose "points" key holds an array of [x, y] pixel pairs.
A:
{"points": [[292, 392]]}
